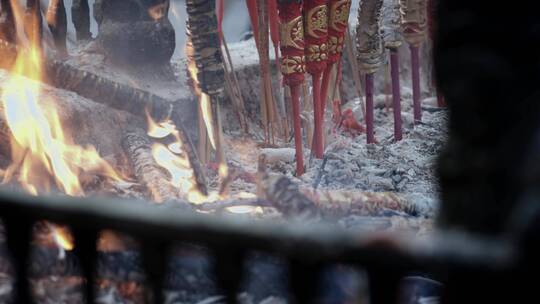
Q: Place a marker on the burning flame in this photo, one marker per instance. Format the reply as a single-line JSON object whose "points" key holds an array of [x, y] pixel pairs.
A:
{"points": [[204, 99], [63, 237], [172, 158], [42, 154]]}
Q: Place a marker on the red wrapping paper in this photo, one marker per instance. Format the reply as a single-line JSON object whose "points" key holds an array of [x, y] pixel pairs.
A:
{"points": [[338, 20], [293, 62], [316, 35]]}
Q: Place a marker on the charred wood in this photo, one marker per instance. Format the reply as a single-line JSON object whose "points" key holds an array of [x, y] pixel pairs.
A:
{"points": [[202, 31], [138, 148], [285, 195]]}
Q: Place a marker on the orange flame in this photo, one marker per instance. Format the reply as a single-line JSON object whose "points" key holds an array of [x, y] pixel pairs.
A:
{"points": [[175, 161], [204, 99], [42, 154]]}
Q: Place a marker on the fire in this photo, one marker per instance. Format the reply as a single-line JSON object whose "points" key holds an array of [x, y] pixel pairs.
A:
{"points": [[204, 99], [41, 150], [63, 237], [172, 158], [43, 155], [205, 109]]}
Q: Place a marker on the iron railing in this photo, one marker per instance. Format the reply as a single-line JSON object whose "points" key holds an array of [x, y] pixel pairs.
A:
{"points": [[451, 257]]}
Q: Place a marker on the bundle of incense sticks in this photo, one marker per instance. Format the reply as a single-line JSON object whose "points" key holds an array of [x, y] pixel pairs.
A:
{"points": [[369, 55], [204, 37], [414, 23], [338, 21], [293, 64], [259, 12], [392, 41], [316, 52], [232, 85]]}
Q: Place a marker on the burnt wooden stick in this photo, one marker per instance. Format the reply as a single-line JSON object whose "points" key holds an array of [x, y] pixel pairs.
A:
{"points": [[138, 148], [341, 203], [81, 19], [57, 22], [102, 90], [284, 195], [396, 94]]}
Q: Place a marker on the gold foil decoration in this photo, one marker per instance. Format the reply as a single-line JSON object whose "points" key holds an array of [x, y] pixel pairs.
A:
{"points": [[339, 15], [292, 33], [317, 21], [293, 64], [335, 45], [317, 53]]}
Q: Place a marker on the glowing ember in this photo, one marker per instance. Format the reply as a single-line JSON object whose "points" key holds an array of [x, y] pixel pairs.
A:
{"points": [[63, 237]]}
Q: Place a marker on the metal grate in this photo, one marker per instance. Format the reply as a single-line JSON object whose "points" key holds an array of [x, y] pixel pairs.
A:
{"points": [[458, 258]]}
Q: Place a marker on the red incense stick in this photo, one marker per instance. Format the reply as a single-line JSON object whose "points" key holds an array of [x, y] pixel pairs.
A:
{"points": [[273, 20], [370, 132], [254, 17], [396, 94]]}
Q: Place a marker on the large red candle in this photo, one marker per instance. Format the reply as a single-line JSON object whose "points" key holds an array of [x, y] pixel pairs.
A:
{"points": [[316, 50], [293, 64]]}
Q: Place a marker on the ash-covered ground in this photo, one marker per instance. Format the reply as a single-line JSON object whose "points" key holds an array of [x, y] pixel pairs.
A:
{"points": [[406, 167]]}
